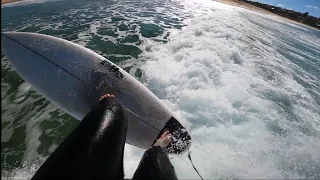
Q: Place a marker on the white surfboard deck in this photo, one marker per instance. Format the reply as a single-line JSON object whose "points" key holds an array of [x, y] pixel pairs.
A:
{"points": [[74, 78]]}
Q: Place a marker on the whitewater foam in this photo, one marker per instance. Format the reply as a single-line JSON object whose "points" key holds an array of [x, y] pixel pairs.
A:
{"points": [[225, 78]]}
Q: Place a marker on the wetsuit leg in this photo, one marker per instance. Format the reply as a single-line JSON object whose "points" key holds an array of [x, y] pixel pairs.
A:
{"points": [[155, 165], [94, 150]]}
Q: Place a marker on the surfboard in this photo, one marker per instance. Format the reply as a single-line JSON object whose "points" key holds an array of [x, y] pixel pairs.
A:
{"points": [[74, 78]]}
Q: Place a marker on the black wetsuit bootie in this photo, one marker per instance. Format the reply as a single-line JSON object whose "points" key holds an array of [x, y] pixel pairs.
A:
{"points": [[94, 150]]}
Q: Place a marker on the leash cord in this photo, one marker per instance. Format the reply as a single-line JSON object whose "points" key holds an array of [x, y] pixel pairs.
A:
{"points": [[189, 156]]}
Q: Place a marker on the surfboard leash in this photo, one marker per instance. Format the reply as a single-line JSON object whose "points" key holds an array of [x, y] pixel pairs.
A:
{"points": [[189, 157]]}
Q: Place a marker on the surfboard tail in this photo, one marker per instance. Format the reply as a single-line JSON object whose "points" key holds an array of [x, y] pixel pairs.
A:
{"points": [[181, 138]]}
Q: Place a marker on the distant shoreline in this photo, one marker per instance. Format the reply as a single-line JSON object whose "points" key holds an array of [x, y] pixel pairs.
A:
{"points": [[9, 1], [261, 10], [233, 3]]}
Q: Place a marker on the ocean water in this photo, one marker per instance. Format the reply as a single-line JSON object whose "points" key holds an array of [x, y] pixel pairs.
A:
{"points": [[246, 85]]}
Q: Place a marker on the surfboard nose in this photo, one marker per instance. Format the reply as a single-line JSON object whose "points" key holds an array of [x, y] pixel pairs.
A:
{"points": [[8, 37], [12, 48], [14, 45], [38, 60], [15, 36], [13, 42], [7, 45]]}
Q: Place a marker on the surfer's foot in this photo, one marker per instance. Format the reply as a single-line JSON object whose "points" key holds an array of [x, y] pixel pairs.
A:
{"points": [[105, 96], [164, 140]]}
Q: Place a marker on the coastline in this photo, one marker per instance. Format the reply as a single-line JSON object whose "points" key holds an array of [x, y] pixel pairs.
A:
{"points": [[260, 10], [8, 1], [232, 3]]}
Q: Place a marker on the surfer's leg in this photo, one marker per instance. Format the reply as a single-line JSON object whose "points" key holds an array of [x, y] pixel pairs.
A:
{"points": [[94, 150], [155, 163]]}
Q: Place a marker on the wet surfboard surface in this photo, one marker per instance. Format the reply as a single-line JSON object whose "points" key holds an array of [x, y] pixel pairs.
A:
{"points": [[74, 78]]}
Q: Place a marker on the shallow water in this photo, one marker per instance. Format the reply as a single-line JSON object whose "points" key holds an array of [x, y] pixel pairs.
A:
{"points": [[246, 85]]}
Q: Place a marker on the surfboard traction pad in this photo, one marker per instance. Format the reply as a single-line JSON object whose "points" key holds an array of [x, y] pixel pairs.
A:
{"points": [[181, 140]]}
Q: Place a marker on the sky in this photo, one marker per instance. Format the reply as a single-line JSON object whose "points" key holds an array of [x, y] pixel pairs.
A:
{"points": [[311, 6]]}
